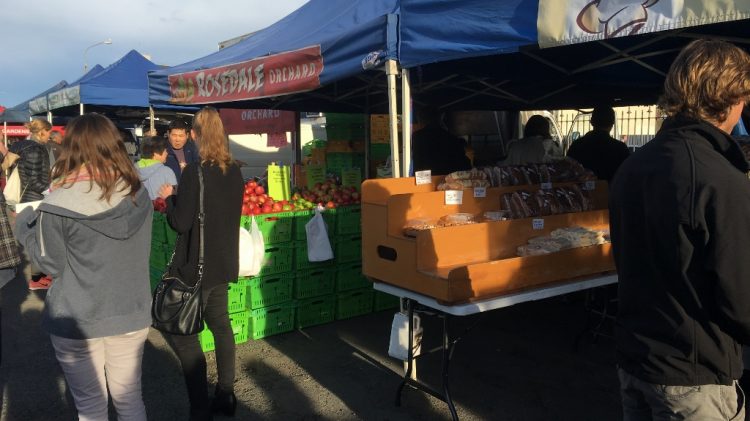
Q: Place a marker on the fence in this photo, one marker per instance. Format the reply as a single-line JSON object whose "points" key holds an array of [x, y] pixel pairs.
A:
{"points": [[634, 125]]}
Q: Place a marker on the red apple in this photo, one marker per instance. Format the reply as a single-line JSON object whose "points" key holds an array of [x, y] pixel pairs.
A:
{"points": [[266, 209], [257, 211], [277, 207], [259, 190], [252, 184], [330, 205]]}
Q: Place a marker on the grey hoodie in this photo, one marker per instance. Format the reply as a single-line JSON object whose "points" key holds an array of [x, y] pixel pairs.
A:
{"points": [[97, 253]]}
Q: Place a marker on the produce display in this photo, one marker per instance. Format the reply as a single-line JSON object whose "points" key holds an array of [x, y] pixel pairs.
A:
{"points": [[255, 201], [562, 199], [330, 194], [565, 170], [563, 239]]}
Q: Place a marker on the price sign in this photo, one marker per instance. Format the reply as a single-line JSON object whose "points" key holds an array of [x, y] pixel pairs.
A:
{"points": [[315, 174], [423, 177], [454, 197], [480, 191], [537, 223], [589, 185], [546, 186]]}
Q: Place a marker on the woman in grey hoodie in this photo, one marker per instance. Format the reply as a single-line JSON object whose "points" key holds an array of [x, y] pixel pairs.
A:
{"points": [[92, 234]]}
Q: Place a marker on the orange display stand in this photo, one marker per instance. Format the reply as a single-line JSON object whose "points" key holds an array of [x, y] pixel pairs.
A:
{"points": [[468, 262]]}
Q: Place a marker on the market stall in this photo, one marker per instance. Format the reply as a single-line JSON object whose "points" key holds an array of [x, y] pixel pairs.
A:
{"points": [[22, 112]]}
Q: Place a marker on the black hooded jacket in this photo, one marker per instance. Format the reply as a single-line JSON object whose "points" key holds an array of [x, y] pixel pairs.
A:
{"points": [[680, 225]]}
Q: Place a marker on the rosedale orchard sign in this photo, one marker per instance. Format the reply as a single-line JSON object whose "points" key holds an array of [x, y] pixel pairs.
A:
{"points": [[278, 74]]}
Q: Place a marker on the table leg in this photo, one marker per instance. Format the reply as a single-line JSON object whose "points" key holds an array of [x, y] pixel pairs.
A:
{"points": [[447, 354], [409, 351]]}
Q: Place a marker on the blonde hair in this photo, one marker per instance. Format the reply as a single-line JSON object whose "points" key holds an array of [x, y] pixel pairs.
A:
{"points": [[213, 145], [705, 80], [37, 125]]}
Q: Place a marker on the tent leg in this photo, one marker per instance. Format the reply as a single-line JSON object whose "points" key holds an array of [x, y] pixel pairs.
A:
{"points": [[391, 70], [152, 124], [49, 116], [80, 109], [5, 133], [406, 121]]}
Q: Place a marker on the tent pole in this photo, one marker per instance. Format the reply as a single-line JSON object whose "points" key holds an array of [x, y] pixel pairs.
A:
{"points": [[80, 108], [406, 120], [151, 116], [5, 133], [49, 116], [391, 70]]}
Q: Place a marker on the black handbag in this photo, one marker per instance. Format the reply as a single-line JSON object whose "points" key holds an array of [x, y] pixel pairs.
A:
{"points": [[177, 307]]}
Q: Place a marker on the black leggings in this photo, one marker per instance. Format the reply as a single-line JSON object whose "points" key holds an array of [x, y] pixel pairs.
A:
{"points": [[191, 357]]}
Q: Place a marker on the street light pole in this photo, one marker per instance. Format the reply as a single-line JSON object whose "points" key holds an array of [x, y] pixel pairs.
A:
{"points": [[107, 41]]}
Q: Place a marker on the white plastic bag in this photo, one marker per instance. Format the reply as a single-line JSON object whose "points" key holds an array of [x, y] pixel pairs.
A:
{"points": [[399, 344], [318, 244], [252, 249]]}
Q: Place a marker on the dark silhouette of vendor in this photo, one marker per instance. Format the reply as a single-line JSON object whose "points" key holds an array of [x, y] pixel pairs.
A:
{"points": [[435, 148], [597, 150]]}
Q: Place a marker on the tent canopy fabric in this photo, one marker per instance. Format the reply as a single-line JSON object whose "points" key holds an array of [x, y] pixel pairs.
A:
{"points": [[21, 112], [462, 54], [123, 83], [321, 42]]}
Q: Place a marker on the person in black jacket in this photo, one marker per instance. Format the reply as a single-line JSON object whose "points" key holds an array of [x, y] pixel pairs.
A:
{"points": [[181, 150], [680, 230], [435, 148], [597, 150], [223, 191], [33, 170]]}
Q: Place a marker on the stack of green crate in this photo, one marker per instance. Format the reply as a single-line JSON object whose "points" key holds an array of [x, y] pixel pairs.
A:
{"points": [[269, 302], [314, 282], [238, 317], [345, 126]]}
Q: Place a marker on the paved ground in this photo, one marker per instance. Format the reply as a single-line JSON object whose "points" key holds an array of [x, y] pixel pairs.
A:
{"points": [[516, 364]]}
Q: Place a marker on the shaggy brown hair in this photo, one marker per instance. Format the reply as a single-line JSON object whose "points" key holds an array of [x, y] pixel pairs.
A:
{"points": [[705, 80], [213, 145], [93, 144]]}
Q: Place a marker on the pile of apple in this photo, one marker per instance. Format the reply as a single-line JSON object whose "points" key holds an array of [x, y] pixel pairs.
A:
{"points": [[160, 205], [329, 195], [255, 201]]}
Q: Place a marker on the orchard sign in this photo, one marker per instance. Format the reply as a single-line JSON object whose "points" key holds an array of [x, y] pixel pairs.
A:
{"points": [[278, 74]]}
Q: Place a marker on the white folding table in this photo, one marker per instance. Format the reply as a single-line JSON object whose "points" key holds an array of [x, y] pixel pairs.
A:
{"points": [[411, 300]]}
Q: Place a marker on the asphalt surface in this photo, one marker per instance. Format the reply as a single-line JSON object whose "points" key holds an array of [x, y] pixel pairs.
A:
{"points": [[519, 363]]}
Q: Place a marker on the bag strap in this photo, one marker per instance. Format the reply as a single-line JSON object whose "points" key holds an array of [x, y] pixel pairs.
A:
{"points": [[201, 221]]}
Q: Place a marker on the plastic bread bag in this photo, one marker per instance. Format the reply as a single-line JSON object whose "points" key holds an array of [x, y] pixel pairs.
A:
{"points": [[318, 244]]}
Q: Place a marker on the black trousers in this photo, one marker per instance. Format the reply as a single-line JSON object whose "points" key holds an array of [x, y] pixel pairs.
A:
{"points": [[191, 357]]}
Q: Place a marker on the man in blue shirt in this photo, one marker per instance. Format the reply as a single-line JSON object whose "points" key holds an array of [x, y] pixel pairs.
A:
{"points": [[181, 150]]}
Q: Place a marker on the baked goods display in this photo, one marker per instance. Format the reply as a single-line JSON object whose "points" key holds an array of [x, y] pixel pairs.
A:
{"points": [[413, 226], [565, 170], [563, 239], [557, 200]]}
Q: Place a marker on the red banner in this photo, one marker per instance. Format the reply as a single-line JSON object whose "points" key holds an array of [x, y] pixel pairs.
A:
{"points": [[278, 74], [257, 121], [22, 131]]}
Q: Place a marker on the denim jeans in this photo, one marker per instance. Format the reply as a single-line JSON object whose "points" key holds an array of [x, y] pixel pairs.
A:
{"points": [[193, 362], [647, 401]]}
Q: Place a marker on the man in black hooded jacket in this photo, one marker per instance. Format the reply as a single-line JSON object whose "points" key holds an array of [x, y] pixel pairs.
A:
{"points": [[680, 230]]}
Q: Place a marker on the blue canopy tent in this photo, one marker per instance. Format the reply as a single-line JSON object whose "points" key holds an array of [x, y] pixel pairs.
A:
{"points": [[21, 112], [463, 55]]}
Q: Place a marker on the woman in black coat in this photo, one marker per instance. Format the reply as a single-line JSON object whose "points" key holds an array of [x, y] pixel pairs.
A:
{"points": [[223, 189]]}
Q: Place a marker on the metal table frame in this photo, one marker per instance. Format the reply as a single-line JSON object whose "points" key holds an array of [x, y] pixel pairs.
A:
{"points": [[413, 301]]}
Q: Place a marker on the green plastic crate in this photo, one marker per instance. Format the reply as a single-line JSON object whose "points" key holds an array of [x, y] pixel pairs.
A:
{"points": [[353, 303], [383, 301], [301, 218], [300, 257], [236, 297], [240, 326], [273, 320], [349, 249], [314, 282], [268, 290], [349, 220], [380, 151], [278, 258], [315, 311], [349, 276], [276, 227], [159, 228]]}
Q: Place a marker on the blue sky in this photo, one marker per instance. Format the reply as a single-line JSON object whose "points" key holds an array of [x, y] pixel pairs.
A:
{"points": [[43, 42]]}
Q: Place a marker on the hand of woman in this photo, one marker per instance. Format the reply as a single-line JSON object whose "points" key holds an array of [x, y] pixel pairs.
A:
{"points": [[165, 191]]}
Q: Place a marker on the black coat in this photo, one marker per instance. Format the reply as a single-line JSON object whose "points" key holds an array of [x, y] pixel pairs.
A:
{"points": [[436, 149], [599, 152], [680, 233], [33, 168], [222, 205]]}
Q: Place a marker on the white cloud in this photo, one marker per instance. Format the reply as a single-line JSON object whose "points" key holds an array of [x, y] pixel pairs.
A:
{"points": [[43, 41]]}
